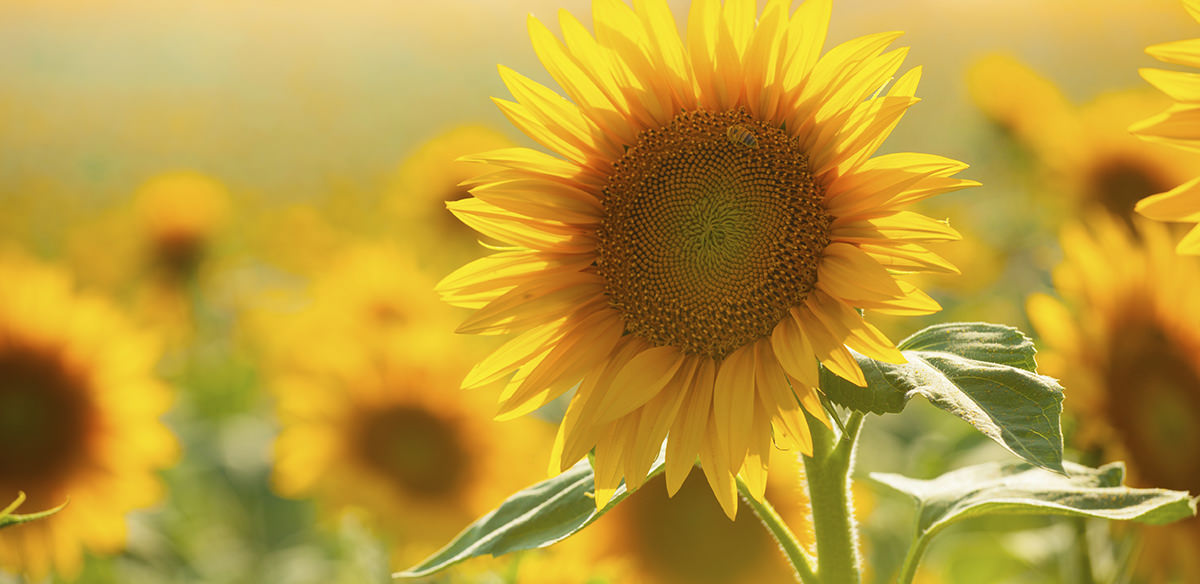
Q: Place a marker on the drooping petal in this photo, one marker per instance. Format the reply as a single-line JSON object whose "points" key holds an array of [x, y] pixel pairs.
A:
{"points": [[733, 402], [687, 432]]}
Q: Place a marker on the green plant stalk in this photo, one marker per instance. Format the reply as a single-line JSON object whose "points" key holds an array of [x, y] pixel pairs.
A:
{"points": [[784, 536], [1083, 554], [828, 474], [912, 559]]}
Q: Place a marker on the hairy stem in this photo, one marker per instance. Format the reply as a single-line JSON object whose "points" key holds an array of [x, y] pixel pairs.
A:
{"points": [[909, 569], [779, 530], [828, 472]]}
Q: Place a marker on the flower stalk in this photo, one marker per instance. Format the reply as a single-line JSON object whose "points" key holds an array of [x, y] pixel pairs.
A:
{"points": [[828, 475], [782, 534]]}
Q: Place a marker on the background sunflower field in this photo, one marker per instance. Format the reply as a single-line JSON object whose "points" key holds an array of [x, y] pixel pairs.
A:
{"points": [[221, 224]]}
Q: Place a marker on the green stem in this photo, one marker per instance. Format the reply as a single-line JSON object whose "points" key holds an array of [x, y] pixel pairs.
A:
{"points": [[779, 529], [909, 569], [1084, 552], [828, 473]]}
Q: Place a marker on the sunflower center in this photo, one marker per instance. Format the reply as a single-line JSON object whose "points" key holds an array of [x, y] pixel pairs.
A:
{"points": [[43, 418], [713, 228], [421, 452], [1119, 184], [1154, 405], [687, 538]]}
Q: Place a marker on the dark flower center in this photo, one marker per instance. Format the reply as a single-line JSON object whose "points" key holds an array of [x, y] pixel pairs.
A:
{"points": [[713, 228]]}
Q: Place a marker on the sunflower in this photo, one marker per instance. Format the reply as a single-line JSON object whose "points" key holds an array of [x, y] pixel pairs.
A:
{"points": [[1083, 150], [78, 394], [371, 418], [710, 219], [688, 539], [1126, 340], [380, 428], [571, 561], [364, 291], [180, 212], [1176, 127], [432, 176], [154, 248]]}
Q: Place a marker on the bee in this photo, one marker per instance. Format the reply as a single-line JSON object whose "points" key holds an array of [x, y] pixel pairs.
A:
{"points": [[742, 136]]}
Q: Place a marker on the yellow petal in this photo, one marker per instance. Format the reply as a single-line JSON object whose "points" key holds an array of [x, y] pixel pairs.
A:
{"points": [[783, 407], [637, 382], [754, 468], [805, 38], [847, 272], [793, 350], [716, 465], [542, 199], [512, 354], [1179, 126], [845, 323], [691, 423], [1181, 203], [1178, 52], [829, 348], [908, 257], [608, 461], [1178, 85], [733, 401], [657, 417], [533, 303]]}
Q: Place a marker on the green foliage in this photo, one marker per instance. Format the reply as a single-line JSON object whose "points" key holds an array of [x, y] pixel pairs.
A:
{"points": [[538, 516], [1021, 488], [982, 373], [8, 518]]}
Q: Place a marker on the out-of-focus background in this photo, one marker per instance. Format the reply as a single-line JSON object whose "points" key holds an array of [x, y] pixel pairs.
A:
{"points": [[259, 186]]}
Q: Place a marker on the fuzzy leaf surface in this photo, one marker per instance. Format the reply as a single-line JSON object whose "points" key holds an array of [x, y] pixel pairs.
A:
{"points": [[535, 517], [1021, 488], [983, 373]]}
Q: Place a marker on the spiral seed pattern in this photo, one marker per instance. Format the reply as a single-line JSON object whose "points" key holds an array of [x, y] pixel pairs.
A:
{"points": [[706, 243]]}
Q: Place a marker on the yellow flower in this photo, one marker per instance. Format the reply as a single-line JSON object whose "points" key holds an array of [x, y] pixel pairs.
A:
{"points": [[1084, 151], [180, 212], [371, 418], [79, 408], [363, 291], [1126, 340], [432, 176], [381, 428], [154, 248], [1176, 127], [711, 221]]}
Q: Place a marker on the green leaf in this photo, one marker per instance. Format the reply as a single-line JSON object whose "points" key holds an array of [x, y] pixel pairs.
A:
{"points": [[979, 341], [1021, 488], [538, 516], [982, 373], [8, 518]]}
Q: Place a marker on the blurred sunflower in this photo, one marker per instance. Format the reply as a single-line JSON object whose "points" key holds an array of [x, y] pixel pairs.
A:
{"points": [[1126, 340], [1176, 127], [711, 221], [432, 176], [364, 291], [1085, 151], [686, 539], [371, 420], [154, 248], [180, 212], [79, 397], [570, 564], [380, 428]]}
